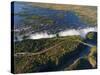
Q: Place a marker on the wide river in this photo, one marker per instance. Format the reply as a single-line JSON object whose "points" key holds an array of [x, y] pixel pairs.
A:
{"points": [[69, 25]]}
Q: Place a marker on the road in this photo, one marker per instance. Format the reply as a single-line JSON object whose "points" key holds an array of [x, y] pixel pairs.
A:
{"points": [[40, 52], [43, 51]]}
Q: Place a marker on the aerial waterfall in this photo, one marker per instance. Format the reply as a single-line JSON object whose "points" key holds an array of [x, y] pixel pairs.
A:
{"points": [[81, 32], [71, 32]]}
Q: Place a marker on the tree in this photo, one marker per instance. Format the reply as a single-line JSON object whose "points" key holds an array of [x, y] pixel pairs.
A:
{"points": [[57, 35]]}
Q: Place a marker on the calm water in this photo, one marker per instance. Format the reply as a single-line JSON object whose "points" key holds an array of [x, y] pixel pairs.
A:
{"points": [[69, 24], [69, 20]]}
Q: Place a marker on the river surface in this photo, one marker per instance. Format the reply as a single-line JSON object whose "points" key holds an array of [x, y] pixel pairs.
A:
{"points": [[62, 19], [66, 23]]}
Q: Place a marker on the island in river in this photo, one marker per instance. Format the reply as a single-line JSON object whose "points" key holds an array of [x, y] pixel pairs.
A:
{"points": [[53, 37]]}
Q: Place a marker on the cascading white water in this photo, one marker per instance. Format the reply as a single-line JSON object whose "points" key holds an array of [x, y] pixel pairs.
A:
{"points": [[71, 32], [41, 35], [85, 31], [81, 32]]}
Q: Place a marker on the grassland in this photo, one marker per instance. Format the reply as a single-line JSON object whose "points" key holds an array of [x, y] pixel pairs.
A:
{"points": [[50, 57], [59, 53]]}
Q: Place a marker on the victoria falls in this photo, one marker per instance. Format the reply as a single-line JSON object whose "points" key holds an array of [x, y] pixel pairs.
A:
{"points": [[54, 37]]}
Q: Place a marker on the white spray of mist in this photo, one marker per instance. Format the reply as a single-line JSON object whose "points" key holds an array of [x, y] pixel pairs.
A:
{"points": [[41, 35], [83, 32], [71, 32]]}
